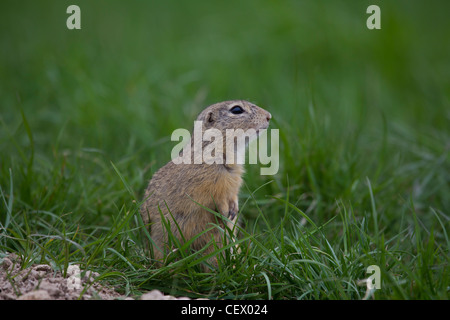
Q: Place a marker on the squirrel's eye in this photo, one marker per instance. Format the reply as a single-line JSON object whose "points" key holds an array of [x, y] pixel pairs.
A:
{"points": [[237, 110]]}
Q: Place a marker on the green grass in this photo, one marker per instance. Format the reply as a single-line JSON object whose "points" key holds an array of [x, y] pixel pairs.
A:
{"points": [[364, 117]]}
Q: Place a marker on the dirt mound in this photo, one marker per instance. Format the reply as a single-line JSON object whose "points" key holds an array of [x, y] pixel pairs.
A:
{"points": [[41, 282]]}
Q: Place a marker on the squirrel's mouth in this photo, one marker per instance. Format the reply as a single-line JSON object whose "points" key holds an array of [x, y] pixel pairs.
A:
{"points": [[262, 128]]}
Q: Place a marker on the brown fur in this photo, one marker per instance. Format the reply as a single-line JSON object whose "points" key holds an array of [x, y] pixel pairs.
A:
{"points": [[215, 186]]}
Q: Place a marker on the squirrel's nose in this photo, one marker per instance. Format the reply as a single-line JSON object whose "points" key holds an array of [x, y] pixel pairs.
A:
{"points": [[268, 116]]}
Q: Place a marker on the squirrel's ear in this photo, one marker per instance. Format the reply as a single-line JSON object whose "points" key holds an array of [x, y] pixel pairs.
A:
{"points": [[209, 118]]}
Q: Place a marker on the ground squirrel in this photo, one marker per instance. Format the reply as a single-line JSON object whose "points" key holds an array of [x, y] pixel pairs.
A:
{"points": [[182, 187]]}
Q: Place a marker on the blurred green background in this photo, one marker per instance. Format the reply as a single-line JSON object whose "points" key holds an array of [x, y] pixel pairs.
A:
{"points": [[349, 102]]}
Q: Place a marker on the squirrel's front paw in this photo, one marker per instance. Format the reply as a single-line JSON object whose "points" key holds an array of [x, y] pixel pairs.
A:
{"points": [[233, 209]]}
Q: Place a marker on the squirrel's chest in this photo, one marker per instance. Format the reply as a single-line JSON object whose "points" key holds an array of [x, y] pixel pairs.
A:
{"points": [[228, 185], [219, 187]]}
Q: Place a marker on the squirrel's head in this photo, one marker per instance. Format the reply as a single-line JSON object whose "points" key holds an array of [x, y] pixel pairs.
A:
{"points": [[237, 122], [235, 114]]}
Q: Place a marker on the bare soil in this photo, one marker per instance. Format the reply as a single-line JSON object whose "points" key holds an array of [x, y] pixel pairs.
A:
{"points": [[41, 282]]}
